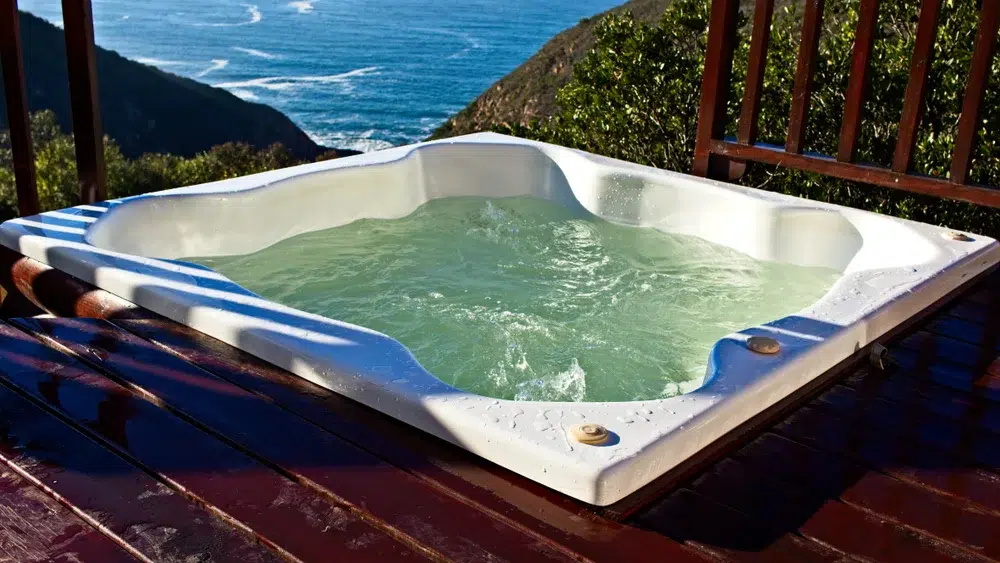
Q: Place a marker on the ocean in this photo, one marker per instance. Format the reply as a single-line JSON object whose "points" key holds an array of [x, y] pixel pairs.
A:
{"points": [[358, 74]]}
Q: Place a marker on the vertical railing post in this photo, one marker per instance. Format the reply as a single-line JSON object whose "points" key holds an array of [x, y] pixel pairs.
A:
{"points": [[975, 90], [715, 89], [812, 22], [756, 66], [857, 85], [17, 108], [78, 22], [916, 88]]}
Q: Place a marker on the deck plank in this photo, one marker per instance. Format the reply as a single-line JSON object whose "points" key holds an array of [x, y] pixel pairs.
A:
{"points": [[319, 459], [938, 519], [136, 510], [35, 527], [242, 495], [475, 482], [728, 534], [901, 458]]}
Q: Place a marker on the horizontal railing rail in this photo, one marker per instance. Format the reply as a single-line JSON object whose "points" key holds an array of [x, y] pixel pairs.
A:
{"points": [[718, 157], [78, 23]]}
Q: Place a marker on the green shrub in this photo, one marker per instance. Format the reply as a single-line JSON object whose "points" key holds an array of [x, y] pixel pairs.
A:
{"points": [[636, 95], [56, 176]]}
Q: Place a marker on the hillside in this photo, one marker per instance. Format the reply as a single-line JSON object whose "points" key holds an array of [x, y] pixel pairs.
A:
{"points": [[147, 110], [530, 89]]}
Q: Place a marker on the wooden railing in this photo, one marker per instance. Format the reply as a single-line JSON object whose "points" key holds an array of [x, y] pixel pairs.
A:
{"points": [[721, 158], [78, 23], [715, 155]]}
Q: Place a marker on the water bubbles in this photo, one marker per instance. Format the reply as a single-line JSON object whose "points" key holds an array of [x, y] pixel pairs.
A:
{"points": [[523, 299]]}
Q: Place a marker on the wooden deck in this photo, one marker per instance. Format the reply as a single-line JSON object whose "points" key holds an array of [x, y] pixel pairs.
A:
{"points": [[137, 438]]}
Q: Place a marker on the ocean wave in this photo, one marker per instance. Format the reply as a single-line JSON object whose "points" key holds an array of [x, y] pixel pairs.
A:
{"points": [[244, 95], [303, 6], [150, 61], [279, 83], [257, 53], [352, 141], [252, 10], [217, 64]]}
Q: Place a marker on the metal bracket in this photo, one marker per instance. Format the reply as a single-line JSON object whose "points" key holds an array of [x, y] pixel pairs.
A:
{"points": [[880, 357]]}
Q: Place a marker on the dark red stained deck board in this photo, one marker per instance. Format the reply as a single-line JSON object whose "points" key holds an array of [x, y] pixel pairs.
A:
{"points": [[949, 363], [970, 311], [804, 500], [726, 533], [930, 349], [854, 531], [321, 460], [141, 512], [819, 479], [199, 468], [917, 393], [963, 438], [903, 458], [804, 472], [34, 527], [966, 331], [474, 481]]}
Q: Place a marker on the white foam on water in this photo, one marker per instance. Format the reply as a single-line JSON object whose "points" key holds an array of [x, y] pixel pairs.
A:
{"points": [[351, 141], [257, 53], [244, 95], [252, 10], [283, 83], [303, 6], [158, 62], [569, 385], [217, 64]]}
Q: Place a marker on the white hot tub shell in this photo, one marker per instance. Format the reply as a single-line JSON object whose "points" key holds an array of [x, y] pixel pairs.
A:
{"points": [[892, 269]]}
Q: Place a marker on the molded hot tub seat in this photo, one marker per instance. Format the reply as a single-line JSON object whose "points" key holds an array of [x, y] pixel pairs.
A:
{"points": [[892, 269]]}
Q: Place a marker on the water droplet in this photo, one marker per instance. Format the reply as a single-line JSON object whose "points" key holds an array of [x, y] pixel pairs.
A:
{"points": [[625, 419]]}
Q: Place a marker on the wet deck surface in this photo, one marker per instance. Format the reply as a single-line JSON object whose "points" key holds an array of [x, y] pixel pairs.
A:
{"points": [[141, 439]]}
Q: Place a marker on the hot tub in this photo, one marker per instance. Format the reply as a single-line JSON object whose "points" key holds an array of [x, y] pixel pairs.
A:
{"points": [[891, 270]]}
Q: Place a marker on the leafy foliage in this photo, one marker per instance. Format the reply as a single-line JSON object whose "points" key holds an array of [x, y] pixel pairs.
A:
{"points": [[55, 161], [636, 94]]}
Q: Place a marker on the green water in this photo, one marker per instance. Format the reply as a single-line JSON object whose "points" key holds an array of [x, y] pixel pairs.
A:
{"points": [[522, 299]]}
